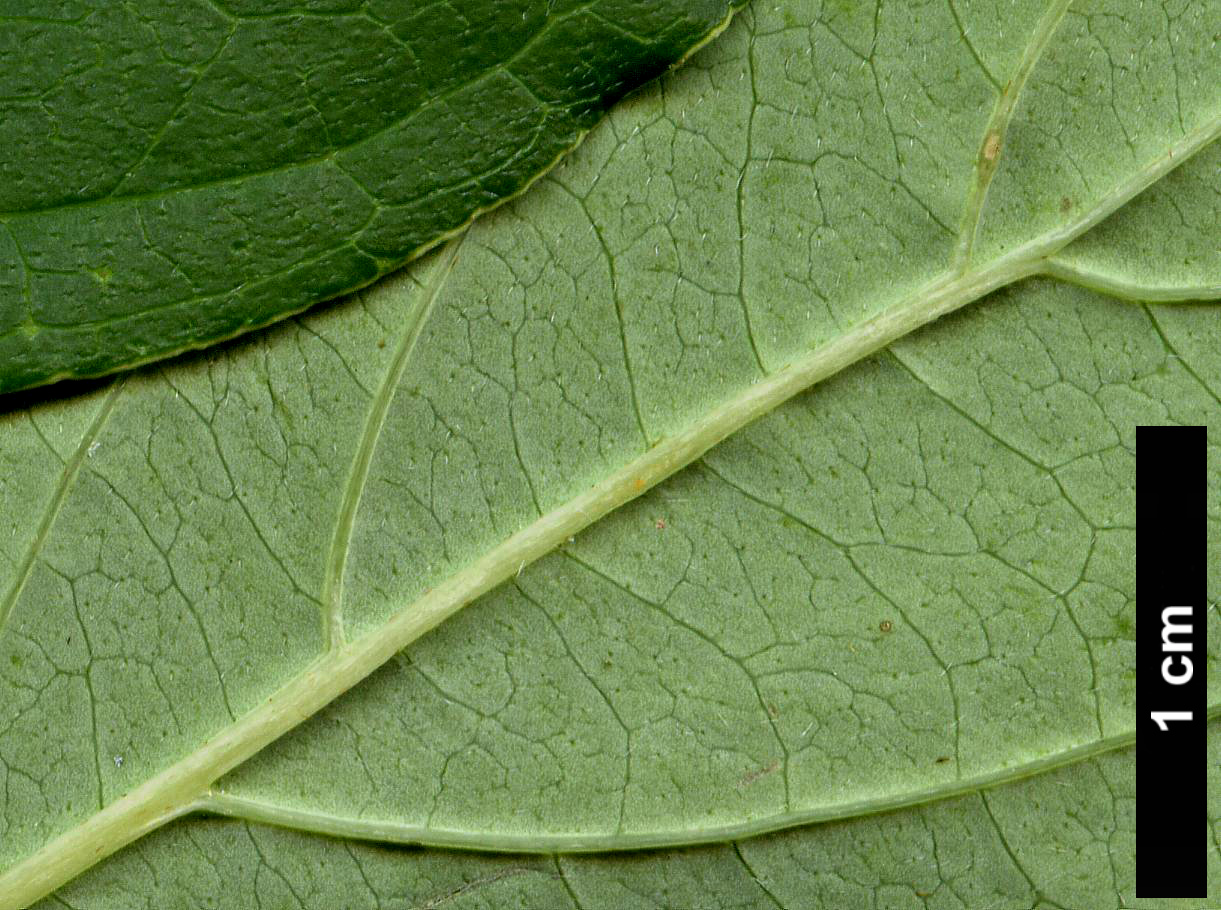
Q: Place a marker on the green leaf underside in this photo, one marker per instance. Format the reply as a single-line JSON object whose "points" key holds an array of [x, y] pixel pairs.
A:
{"points": [[915, 577], [178, 173], [1015, 848]]}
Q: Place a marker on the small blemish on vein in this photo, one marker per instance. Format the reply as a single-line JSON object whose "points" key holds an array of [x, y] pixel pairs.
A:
{"points": [[992, 146]]}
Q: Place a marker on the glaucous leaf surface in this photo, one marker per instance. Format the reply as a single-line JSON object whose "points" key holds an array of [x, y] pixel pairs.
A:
{"points": [[911, 581], [174, 173]]}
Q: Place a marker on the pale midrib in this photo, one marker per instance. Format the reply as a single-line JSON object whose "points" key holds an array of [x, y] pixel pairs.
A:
{"points": [[1126, 289], [379, 407], [176, 789]]}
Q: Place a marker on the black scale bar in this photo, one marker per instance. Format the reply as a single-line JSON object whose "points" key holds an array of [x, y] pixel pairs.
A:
{"points": [[1171, 709]]}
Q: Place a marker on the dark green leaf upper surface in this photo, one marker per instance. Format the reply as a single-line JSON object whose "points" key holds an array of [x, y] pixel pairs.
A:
{"points": [[173, 173]]}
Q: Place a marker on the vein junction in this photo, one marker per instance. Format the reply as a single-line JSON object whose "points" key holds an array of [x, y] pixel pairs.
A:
{"points": [[187, 784]]}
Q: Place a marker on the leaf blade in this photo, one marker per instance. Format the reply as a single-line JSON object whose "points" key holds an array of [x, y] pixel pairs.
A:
{"points": [[297, 158], [559, 490]]}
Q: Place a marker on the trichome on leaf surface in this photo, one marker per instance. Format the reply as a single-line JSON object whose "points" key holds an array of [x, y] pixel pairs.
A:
{"points": [[745, 566]]}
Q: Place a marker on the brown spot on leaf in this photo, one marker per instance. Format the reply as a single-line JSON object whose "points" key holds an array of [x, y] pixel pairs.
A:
{"points": [[992, 146], [886, 625], [660, 524], [753, 776], [1066, 204]]}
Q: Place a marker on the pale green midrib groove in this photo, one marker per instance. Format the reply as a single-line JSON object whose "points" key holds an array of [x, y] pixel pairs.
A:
{"points": [[379, 407], [66, 480], [174, 790], [1125, 289], [262, 812], [998, 125]]}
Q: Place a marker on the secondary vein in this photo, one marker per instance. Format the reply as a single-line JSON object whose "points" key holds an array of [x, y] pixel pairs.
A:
{"points": [[389, 831], [375, 421], [998, 124], [180, 786], [66, 480], [1126, 288]]}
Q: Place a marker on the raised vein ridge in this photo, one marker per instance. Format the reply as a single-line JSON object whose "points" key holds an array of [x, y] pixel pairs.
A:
{"points": [[181, 786], [67, 479], [998, 124], [332, 590], [256, 810]]}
